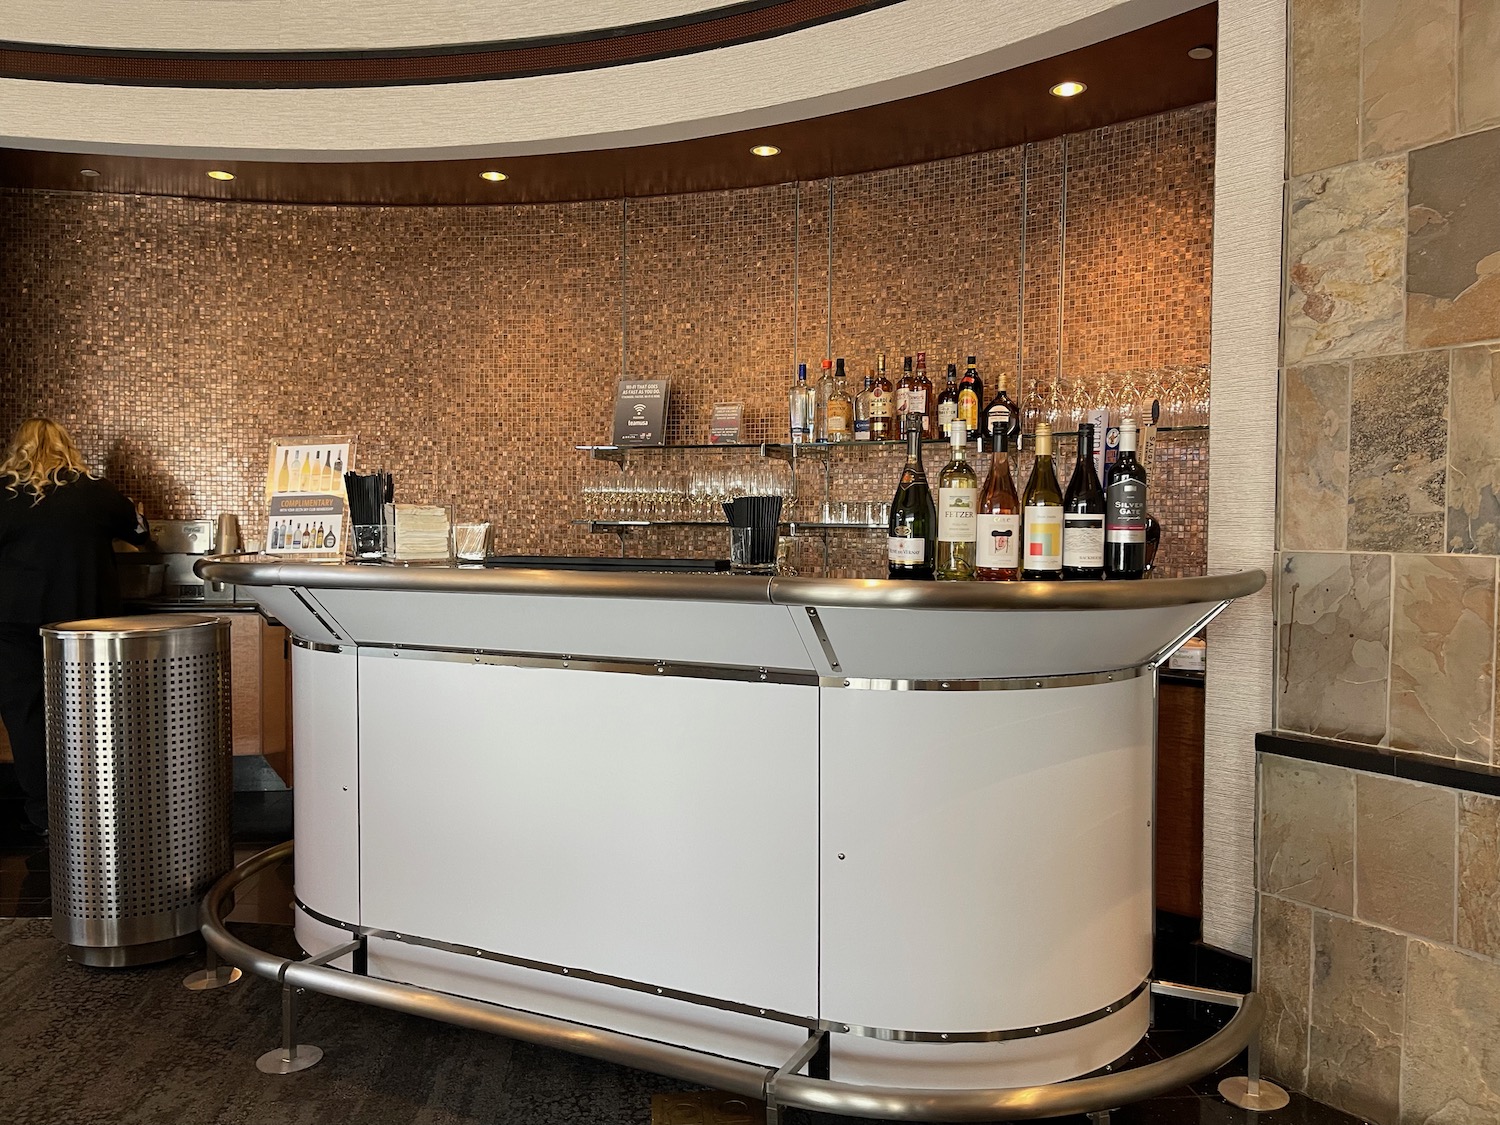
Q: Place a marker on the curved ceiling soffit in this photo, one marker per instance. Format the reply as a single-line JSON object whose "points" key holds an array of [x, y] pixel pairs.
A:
{"points": [[888, 51]]}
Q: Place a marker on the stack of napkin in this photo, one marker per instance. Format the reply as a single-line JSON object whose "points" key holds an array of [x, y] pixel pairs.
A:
{"points": [[418, 531]]}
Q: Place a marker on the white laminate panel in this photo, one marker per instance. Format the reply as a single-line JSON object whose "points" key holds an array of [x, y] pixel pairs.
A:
{"points": [[747, 635], [325, 701], [663, 830], [986, 856]]}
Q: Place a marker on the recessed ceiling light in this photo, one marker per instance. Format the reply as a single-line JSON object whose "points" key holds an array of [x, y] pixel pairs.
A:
{"points": [[493, 177], [87, 172], [1201, 53], [1068, 89], [765, 150], [220, 174]]}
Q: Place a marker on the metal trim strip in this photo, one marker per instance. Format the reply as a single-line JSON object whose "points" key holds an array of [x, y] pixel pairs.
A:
{"points": [[892, 1035], [319, 646], [1007, 683], [669, 668]]}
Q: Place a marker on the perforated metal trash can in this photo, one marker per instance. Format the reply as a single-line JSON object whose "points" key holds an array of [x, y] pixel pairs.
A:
{"points": [[140, 780]]}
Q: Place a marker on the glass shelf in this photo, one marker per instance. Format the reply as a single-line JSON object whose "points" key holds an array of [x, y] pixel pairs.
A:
{"points": [[791, 526]]}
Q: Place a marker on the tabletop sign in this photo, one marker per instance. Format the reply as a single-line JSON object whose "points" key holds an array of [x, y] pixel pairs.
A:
{"points": [[641, 412], [305, 496], [725, 423]]}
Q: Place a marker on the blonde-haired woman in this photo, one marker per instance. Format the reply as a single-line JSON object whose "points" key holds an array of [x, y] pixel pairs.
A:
{"points": [[57, 521]]}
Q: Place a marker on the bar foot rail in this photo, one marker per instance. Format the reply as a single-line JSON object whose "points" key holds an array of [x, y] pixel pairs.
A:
{"points": [[779, 1088]]}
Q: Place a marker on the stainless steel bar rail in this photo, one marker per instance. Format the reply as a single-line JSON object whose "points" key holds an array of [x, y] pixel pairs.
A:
{"points": [[777, 1087]]}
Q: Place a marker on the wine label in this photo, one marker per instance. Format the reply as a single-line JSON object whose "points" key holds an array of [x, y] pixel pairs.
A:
{"points": [[1083, 540], [880, 404], [956, 523], [838, 422], [1044, 528], [947, 412], [1125, 511], [906, 551], [968, 409], [862, 429], [999, 542], [916, 401], [901, 400]]}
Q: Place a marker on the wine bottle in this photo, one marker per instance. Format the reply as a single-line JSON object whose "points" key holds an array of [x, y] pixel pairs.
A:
{"points": [[1125, 510], [304, 479], [295, 476], [800, 407], [958, 497], [1083, 515], [283, 475], [862, 410], [998, 523], [911, 536], [1003, 408], [1041, 555], [970, 398], [882, 405], [919, 399], [840, 410], [947, 403], [823, 391]]}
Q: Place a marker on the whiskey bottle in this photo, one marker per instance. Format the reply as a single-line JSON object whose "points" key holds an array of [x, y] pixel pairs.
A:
{"points": [[970, 399], [1003, 408], [998, 523], [947, 403], [1083, 515], [882, 405], [958, 497], [911, 535], [1041, 547], [840, 412], [903, 395], [919, 399]]}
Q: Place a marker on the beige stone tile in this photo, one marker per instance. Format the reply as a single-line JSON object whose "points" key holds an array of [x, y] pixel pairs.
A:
{"points": [[1450, 1068], [1453, 242], [1346, 235], [1478, 64], [1404, 855], [1307, 832], [1474, 451], [1408, 70], [1443, 655], [1334, 658], [1398, 440], [1324, 110], [1314, 457], [1354, 1046], [1283, 964], [1479, 874]]}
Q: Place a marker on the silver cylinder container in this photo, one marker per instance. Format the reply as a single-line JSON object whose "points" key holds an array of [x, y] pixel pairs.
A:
{"points": [[140, 781]]}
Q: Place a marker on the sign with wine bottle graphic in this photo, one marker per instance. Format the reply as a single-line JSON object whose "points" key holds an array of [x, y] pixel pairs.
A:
{"points": [[305, 496]]}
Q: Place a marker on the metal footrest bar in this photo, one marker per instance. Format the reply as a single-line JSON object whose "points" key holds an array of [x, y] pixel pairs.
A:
{"points": [[1095, 1095]]}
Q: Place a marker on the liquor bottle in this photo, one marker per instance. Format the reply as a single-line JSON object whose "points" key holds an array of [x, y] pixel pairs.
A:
{"points": [[919, 399], [1041, 546], [1125, 511], [911, 536], [882, 405], [304, 480], [283, 475], [840, 412], [1083, 515], [295, 476], [958, 497], [317, 536], [970, 399], [1003, 408], [276, 535], [862, 410], [947, 403], [998, 522], [823, 391], [903, 392], [330, 540], [801, 407]]}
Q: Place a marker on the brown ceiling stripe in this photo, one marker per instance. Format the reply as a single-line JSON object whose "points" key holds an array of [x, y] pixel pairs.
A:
{"points": [[720, 27]]}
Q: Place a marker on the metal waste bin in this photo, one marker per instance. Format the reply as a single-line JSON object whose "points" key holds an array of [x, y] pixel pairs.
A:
{"points": [[140, 780]]}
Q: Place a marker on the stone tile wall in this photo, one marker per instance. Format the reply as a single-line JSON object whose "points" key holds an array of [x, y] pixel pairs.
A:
{"points": [[1379, 897]]}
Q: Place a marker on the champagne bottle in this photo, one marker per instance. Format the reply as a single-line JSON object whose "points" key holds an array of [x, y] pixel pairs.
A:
{"points": [[1083, 515], [911, 536], [1125, 510], [998, 551], [947, 403], [840, 412], [958, 496], [970, 399], [1041, 556], [283, 476], [801, 407], [882, 405]]}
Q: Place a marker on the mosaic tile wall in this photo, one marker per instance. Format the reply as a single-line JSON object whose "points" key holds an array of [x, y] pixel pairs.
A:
{"points": [[1389, 541], [470, 349]]}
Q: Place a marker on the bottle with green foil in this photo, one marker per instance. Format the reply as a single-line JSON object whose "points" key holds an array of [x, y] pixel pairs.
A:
{"points": [[911, 535]]}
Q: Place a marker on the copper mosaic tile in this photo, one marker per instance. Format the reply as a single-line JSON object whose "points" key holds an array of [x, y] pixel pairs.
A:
{"points": [[471, 349]]}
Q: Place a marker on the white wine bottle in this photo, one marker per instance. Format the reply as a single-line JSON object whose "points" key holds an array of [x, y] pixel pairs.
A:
{"points": [[958, 499], [1042, 509]]}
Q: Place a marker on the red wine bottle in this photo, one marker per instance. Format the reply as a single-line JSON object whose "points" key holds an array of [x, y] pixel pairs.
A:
{"points": [[1125, 511], [1083, 516]]}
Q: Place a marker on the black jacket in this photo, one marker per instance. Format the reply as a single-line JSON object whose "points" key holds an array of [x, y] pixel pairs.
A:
{"points": [[56, 558]]}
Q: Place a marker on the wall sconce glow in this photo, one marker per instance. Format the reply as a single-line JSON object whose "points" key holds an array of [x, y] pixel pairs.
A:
{"points": [[220, 174], [90, 172], [1201, 53], [1069, 89], [765, 150], [493, 177]]}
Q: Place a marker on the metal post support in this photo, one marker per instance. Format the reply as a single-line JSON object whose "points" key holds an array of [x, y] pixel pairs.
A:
{"points": [[1252, 1091], [813, 1054], [212, 975], [291, 1056]]}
